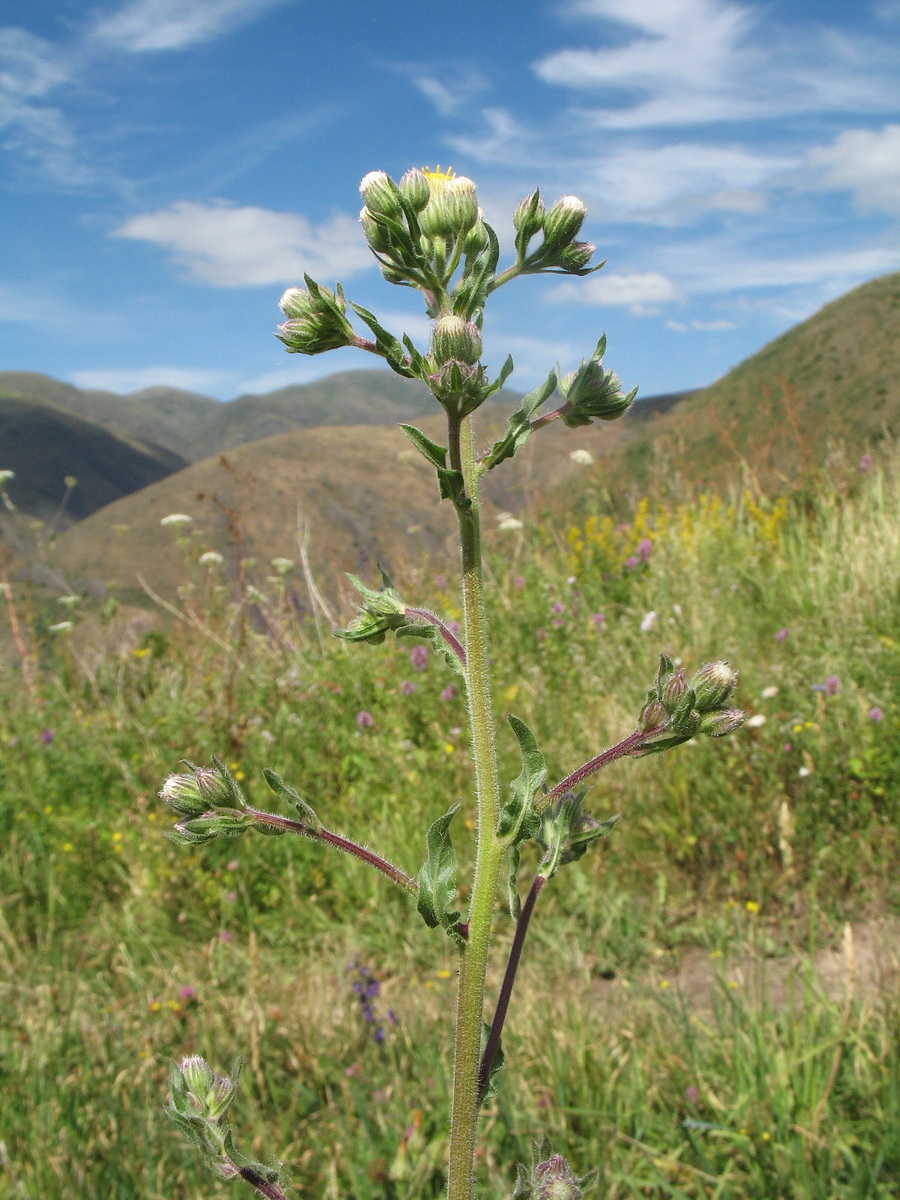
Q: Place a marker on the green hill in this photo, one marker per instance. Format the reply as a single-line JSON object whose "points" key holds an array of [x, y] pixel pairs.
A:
{"points": [[830, 387], [43, 445]]}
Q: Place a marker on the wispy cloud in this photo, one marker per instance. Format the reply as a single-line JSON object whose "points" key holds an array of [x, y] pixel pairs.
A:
{"points": [[641, 293], [35, 132], [864, 162], [228, 246], [135, 379], [154, 25], [703, 61]]}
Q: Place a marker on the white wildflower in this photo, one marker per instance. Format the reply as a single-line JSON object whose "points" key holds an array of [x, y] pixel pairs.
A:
{"points": [[212, 558], [648, 622], [177, 519], [584, 458], [769, 692], [507, 522], [755, 721]]}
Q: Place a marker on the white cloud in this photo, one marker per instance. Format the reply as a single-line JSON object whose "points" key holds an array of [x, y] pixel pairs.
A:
{"points": [[692, 61], [227, 246], [147, 25], [702, 326], [865, 162], [450, 93], [669, 182], [135, 379], [641, 293]]}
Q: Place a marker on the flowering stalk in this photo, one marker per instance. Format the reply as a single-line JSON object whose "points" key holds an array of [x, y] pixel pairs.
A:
{"points": [[427, 232]]}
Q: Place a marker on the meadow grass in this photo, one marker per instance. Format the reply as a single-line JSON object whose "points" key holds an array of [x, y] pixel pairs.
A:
{"points": [[749, 855]]}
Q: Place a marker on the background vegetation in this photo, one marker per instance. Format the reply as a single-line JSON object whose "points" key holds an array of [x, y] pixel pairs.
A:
{"points": [[694, 1020]]}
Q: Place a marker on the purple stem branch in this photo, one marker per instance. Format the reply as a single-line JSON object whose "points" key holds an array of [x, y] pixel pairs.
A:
{"points": [[632, 742], [509, 978], [430, 618], [269, 1190], [334, 839]]}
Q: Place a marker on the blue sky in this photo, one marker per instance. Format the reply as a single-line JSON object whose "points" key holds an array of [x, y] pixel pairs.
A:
{"points": [[169, 166]]}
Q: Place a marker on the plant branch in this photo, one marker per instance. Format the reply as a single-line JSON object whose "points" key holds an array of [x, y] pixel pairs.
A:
{"points": [[509, 979], [269, 1190], [626, 746], [275, 821], [453, 642]]}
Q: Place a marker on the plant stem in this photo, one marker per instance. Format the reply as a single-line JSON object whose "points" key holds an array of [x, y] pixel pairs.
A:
{"points": [[488, 849], [509, 979], [430, 618], [626, 746], [269, 1190], [341, 843]]}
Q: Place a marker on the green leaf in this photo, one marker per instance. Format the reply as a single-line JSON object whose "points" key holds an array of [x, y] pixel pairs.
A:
{"points": [[436, 455], [517, 820], [505, 371], [518, 427], [389, 346], [453, 487], [437, 878], [286, 792]]}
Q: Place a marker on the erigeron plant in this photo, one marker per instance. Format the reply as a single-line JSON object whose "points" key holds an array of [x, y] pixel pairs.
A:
{"points": [[428, 233]]}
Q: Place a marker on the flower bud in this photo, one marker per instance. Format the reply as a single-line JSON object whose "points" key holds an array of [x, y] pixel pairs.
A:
{"points": [[212, 786], [296, 303], [673, 689], [376, 234], [576, 256], [414, 188], [553, 1180], [713, 685], [563, 221], [652, 714], [182, 793], [379, 194], [528, 217], [455, 338], [722, 721], [476, 240], [196, 1078], [461, 204], [434, 220], [593, 393]]}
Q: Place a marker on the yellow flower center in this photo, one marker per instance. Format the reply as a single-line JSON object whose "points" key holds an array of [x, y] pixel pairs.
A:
{"points": [[437, 173]]}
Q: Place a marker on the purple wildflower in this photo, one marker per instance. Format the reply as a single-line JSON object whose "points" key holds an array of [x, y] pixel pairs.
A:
{"points": [[518, 582], [225, 937], [406, 687], [187, 994], [781, 635], [865, 462], [875, 713], [631, 562], [47, 736], [645, 549], [418, 656], [558, 607], [453, 626], [832, 686], [449, 692], [787, 747], [378, 1036], [691, 1094], [364, 720], [599, 619]]}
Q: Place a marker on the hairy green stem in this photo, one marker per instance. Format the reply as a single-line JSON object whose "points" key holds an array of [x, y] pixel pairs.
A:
{"points": [[488, 849]]}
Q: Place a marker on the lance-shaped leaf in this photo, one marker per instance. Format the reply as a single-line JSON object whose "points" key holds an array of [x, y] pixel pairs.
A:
{"points": [[286, 792], [436, 454], [517, 820], [437, 878], [505, 371], [518, 427], [389, 346]]}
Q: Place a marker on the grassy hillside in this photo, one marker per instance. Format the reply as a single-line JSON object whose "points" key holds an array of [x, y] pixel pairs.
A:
{"points": [[827, 388], [708, 1004], [43, 445]]}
